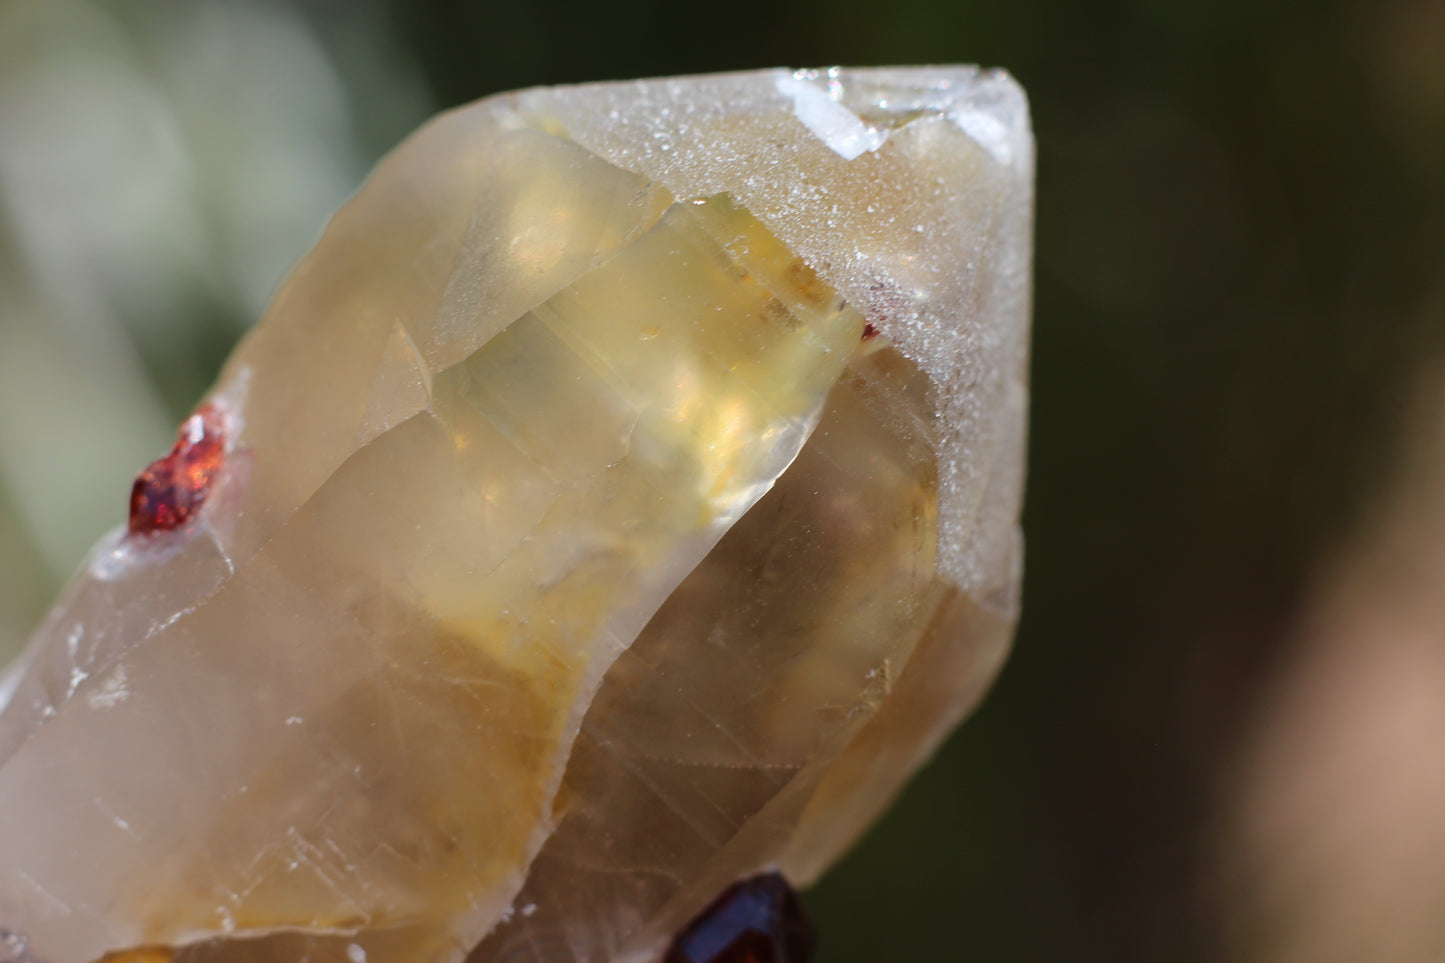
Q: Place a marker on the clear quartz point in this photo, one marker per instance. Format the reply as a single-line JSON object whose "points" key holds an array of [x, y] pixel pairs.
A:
{"points": [[620, 501]]}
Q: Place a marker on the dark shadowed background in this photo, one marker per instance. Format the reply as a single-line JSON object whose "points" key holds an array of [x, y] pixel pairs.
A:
{"points": [[1240, 311]]}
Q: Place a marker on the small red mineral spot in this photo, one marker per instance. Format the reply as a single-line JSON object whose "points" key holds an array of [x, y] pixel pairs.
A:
{"points": [[756, 920], [175, 487], [869, 331]]}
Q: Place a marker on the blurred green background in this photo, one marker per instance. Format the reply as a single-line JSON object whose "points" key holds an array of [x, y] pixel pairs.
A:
{"points": [[1240, 274]]}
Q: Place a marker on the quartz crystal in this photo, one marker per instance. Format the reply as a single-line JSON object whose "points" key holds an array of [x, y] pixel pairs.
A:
{"points": [[619, 502]]}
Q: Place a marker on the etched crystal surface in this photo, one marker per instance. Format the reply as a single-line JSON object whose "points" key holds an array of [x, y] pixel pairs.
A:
{"points": [[620, 501]]}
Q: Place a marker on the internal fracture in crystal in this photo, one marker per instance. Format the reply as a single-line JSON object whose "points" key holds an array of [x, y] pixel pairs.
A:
{"points": [[620, 502]]}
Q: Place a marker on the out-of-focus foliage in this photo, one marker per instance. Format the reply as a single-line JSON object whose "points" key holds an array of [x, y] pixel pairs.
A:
{"points": [[1241, 277], [161, 165]]}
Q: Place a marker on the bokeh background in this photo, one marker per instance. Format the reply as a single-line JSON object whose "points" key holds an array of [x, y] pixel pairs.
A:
{"points": [[1222, 734]]}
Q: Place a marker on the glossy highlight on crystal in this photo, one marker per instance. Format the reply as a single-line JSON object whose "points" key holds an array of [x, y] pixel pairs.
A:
{"points": [[620, 501]]}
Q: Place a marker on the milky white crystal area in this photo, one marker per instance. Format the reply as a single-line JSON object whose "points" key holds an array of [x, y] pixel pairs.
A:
{"points": [[621, 499]]}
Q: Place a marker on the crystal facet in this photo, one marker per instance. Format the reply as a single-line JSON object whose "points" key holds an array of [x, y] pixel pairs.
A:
{"points": [[619, 502]]}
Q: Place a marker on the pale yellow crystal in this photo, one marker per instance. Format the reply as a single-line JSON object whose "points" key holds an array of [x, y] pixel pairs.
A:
{"points": [[580, 548]]}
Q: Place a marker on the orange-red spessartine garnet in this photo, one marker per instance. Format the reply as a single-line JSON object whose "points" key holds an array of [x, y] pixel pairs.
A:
{"points": [[173, 488], [756, 920]]}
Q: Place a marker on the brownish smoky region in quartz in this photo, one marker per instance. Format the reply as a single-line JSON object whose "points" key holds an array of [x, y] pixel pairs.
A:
{"points": [[694, 757]]}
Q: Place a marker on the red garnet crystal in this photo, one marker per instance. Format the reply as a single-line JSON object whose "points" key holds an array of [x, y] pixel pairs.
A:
{"points": [[756, 920], [175, 487]]}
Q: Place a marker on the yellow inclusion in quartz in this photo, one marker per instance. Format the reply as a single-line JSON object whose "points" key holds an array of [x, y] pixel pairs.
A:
{"points": [[596, 465], [622, 425]]}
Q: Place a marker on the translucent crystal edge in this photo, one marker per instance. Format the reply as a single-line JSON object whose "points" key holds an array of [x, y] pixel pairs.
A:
{"points": [[979, 362]]}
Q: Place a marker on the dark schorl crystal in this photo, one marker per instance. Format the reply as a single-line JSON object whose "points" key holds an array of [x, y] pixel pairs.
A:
{"points": [[756, 920]]}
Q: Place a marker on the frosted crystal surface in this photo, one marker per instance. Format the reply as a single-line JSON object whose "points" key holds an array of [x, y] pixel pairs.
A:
{"points": [[620, 500]]}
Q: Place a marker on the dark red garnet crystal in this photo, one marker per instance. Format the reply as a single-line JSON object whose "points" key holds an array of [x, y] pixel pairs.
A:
{"points": [[756, 920], [174, 488]]}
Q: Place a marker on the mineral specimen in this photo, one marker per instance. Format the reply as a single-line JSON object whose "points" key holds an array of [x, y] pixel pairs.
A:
{"points": [[619, 502], [174, 488]]}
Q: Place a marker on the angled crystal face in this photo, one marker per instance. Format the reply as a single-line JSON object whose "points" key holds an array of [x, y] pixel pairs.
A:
{"points": [[619, 502]]}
